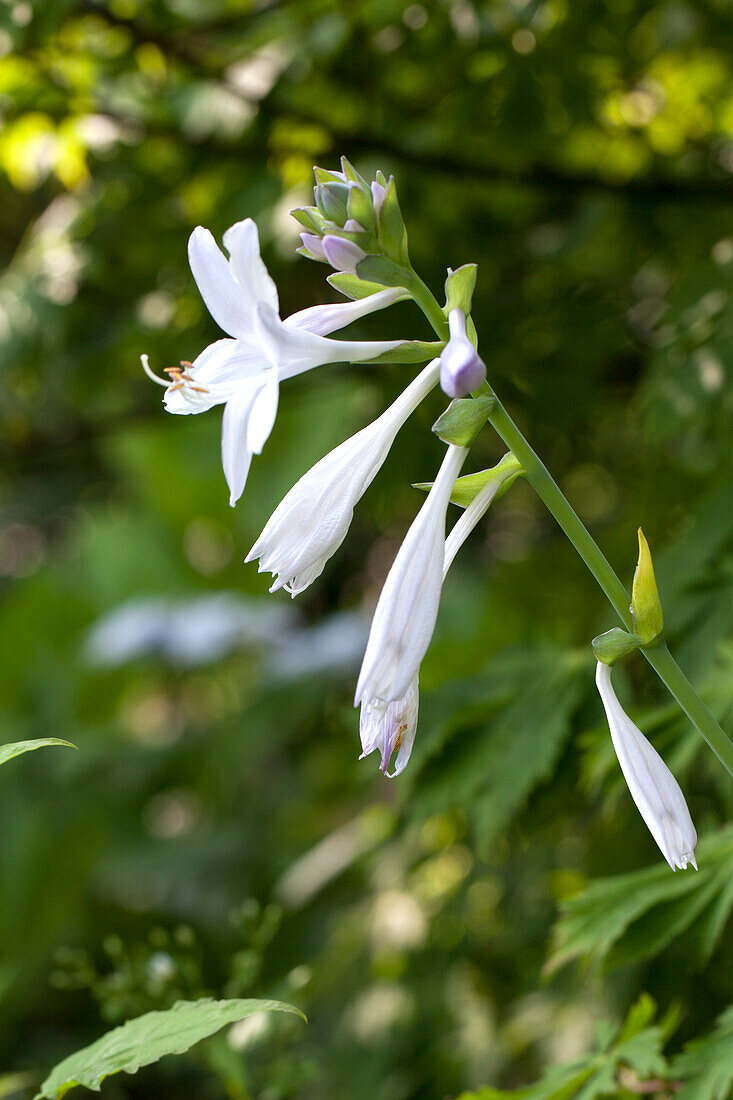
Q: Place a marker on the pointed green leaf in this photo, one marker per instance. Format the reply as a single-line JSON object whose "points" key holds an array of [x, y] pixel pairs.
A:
{"points": [[148, 1038], [7, 752], [706, 1065]]}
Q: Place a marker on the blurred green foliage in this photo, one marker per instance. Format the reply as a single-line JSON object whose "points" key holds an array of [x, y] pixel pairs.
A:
{"points": [[215, 834]]}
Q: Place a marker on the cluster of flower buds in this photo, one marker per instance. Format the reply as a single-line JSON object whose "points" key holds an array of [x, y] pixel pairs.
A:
{"points": [[352, 219]]}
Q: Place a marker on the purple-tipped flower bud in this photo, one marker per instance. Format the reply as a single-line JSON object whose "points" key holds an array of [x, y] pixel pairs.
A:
{"points": [[314, 246], [379, 194], [342, 255], [351, 225], [462, 370]]}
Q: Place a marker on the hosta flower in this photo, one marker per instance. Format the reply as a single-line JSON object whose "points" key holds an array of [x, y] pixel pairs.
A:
{"points": [[390, 729], [405, 616], [391, 726], [311, 522], [653, 788], [243, 372], [462, 370]]}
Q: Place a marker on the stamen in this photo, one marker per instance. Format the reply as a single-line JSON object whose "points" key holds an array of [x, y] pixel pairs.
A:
{"points": [[151, 375]]}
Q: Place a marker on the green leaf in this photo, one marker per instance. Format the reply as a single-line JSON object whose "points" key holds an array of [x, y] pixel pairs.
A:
{"points": [[627, 917], [148, 1038], [636, 1045], [485, 744], [706, 1065], [7, 752], [463, 419], [459, 288]]}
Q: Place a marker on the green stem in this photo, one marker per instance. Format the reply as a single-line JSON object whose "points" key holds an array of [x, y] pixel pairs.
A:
{"points": [[549, 492]]}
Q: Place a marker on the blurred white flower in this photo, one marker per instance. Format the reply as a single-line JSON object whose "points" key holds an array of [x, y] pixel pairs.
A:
{"points": [[653, 788], [311, 522], [243, 373], [186, 632]]}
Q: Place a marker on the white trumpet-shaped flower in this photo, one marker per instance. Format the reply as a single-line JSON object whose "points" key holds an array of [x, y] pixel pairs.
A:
{"points": [[391, 726], [243, 372], [311, 522], [390, 729], [653, 788], [405, 616]]}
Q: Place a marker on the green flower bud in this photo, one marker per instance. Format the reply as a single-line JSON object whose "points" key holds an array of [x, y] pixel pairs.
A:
{"points": [[614, 644], [332, 200], [645, 603]]}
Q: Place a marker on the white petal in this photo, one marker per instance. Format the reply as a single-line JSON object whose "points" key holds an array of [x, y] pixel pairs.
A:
{"points": [[263, 413], [219, 289], [235, 455], [405, 616], [293, 350], [214, 376], [329, 318], [243, 244]]}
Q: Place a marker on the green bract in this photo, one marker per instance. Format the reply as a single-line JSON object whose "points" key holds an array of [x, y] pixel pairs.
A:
{"points": [[645, 603], [463, 419], [459, 288], [614, 644], [469, 486]]}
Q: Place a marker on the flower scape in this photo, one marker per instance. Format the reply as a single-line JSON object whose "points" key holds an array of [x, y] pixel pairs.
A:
{"points": [[356, 228]]}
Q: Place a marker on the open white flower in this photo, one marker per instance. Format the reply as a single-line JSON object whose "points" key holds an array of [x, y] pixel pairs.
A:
{"points": [[653, 788], [243, 373], [311, 522], [405, 616]]}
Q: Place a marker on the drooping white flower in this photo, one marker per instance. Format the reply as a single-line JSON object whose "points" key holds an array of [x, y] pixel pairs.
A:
{"points": [[390, 725], [390, 729], [405, 616], [311, 522], [653, 788], [243, 372], [462, 370]]}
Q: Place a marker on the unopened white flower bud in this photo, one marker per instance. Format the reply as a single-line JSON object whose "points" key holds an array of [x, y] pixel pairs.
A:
{"points": [[379, 194], [462, 370], [653, 788], [342, 255]]}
